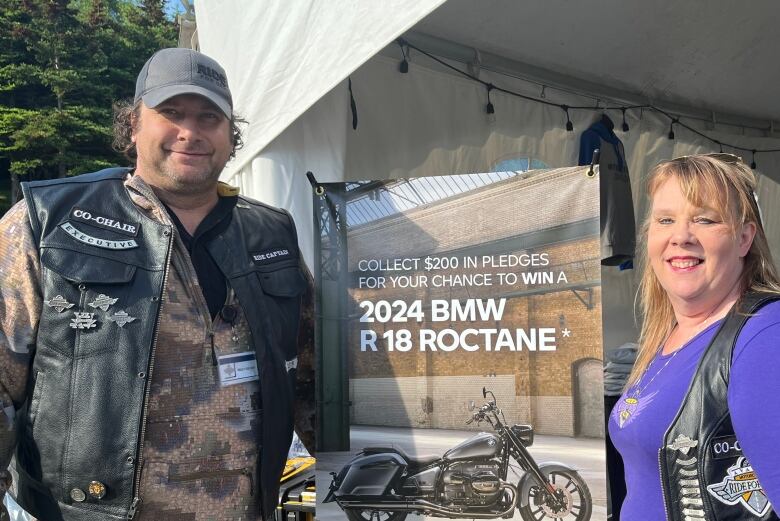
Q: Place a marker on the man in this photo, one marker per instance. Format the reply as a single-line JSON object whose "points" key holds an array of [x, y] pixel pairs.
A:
{"points": [[149, 322]]}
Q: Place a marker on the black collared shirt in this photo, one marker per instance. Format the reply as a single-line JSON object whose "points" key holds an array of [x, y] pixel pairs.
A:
{"points": [[210, 277]]}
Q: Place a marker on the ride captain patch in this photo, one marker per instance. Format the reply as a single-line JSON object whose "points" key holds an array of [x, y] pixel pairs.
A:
{"points": [[237, 368], [270, 255]]}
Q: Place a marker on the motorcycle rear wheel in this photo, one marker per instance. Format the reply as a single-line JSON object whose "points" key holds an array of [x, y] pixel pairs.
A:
{"points": [[355, 514], [570, 487]]}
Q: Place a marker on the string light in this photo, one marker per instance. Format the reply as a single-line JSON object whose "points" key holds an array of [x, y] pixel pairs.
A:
{"points": [[569, 126], [490, 109], [403, 67]]}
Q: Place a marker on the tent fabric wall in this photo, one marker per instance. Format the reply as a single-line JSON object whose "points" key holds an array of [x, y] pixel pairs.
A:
{"points": [[281, 57], [432, 122], [315, 142], [429, 122]]}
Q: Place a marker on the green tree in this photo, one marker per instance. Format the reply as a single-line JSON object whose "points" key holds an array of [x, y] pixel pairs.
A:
{"points": [[62, 65]]}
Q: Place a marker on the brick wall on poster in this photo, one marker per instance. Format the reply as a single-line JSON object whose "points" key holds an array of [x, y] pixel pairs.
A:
{"points": [[437, 402], [432, 389]]}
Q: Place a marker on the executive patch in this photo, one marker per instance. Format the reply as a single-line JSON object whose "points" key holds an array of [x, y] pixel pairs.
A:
{"points": [[102, 221], [272, 255], [725, 447], [741, 486], [96, 241]]}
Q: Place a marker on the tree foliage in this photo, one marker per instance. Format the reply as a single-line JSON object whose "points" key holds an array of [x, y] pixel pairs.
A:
{"points": [[62, 65]]}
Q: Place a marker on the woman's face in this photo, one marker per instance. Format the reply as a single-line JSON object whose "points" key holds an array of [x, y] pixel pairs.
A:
{"points": [[693, 251]]}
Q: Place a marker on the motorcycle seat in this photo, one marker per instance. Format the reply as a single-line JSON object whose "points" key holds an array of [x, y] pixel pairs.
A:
{"points": [[416, 461]]}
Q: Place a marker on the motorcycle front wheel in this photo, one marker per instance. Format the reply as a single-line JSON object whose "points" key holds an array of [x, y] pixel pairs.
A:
{"points": [[355, 514], [571, 501]]}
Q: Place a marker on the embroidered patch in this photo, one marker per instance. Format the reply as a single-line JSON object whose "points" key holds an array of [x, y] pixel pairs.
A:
{"points": [[629, 407], [103, 302], [741, 486], [83, 320], [272, 255], [101, 221], [96, 241], [725, 447], [291, 364], [683, 443], [121, 318], [59, 303], [238, 368]]}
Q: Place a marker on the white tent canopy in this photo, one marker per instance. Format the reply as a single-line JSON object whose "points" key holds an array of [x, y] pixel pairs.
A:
{"points": [[709, 62]]}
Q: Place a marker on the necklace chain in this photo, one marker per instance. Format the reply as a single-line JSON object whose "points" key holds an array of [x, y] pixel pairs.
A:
{"points": [[630, 404], [639, 390], [701, 327]]}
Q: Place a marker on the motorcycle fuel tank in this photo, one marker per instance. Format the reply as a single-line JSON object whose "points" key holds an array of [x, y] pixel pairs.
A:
{"points": [[482, 445]]}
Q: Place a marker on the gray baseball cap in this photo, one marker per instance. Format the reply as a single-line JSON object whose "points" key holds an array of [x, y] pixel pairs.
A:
{"points": [[174, 71]]}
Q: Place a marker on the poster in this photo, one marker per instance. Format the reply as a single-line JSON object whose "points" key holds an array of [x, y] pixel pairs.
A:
{"points": [[459, 348]]}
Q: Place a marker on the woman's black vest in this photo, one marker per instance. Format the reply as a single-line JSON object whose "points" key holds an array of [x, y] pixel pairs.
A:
{"points": [[705, 475], [89, 376]]}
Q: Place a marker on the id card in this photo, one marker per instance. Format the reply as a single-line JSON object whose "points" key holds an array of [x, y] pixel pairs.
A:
{"points": [[238, 368]]}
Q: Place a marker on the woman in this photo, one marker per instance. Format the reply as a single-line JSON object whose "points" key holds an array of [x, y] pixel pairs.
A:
{"points": [[700, 413]]}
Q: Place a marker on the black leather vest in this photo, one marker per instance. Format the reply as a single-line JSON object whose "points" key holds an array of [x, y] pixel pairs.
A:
{"points": [[89, 375], [705, 475]]}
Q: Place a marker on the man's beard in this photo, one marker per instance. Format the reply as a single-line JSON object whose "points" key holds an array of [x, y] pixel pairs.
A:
{"points": [[193, 183], [186, 184]]}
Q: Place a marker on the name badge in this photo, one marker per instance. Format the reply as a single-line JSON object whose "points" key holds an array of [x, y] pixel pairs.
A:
{"points": [[237, 368]]}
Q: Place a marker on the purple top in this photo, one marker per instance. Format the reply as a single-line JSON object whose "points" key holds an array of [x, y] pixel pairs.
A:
{"points": [[637, 428]]}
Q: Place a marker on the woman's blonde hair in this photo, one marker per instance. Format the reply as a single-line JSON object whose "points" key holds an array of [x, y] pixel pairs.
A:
{"points": [[726, 184]]}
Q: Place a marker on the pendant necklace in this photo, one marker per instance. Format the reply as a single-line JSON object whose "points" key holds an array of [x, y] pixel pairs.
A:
{"points": [[631, 404]]}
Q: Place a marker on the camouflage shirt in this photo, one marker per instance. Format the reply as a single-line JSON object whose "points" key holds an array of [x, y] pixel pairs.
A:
{"points": [[199, 447]]}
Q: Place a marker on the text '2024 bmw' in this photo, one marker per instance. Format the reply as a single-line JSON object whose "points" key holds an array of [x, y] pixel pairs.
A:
{"points": [[468, 481]]}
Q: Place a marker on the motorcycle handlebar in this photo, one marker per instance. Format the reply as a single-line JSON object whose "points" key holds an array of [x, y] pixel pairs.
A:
{"points": [[481, 414]]}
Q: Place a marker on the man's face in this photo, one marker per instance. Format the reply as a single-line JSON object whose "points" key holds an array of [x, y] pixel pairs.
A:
{"points": [[182, 144]]}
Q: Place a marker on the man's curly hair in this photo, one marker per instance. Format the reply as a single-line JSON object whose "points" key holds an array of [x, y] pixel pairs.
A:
{"points": [[126, 112]]}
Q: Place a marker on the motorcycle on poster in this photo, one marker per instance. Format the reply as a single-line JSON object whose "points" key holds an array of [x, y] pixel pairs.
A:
{"points": [[468, 481]]}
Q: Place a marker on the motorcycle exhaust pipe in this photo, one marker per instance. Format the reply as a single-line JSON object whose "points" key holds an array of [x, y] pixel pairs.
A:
{"points": [[421, 504]]}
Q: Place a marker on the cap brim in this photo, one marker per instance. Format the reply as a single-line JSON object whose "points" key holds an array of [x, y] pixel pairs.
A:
{"points": [[156, 96]]}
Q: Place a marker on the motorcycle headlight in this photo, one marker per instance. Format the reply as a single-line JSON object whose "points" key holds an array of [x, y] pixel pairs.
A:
{"points": [[525, 433]]}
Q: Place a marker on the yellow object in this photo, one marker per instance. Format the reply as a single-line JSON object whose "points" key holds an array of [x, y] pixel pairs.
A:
{"points": [[225, 190], [295, 466]]}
